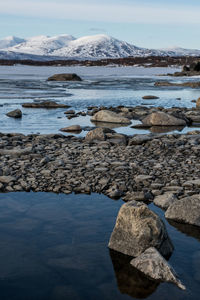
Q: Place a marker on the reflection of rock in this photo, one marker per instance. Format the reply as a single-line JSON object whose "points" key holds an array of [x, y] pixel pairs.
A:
{"points": [[109, 117], [165, 129], [138, 228], [153, 265], [65, 77], [187, 229], [185, 210], [130, 281]]}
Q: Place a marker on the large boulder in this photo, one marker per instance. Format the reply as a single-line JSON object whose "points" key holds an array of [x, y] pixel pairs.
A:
{"points": [[162, 119], [14, 113], [153, 265], [109, 117], [138, 228], [185, 210], [65, 77]]}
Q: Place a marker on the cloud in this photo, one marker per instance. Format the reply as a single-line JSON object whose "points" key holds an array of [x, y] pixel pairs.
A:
{"points": [[110, 12]]}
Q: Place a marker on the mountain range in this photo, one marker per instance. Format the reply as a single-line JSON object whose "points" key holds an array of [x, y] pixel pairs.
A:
{"points": [[66, 46]]}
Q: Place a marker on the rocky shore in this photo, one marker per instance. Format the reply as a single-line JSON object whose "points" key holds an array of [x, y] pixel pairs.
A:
{"points": [[143, 165]]}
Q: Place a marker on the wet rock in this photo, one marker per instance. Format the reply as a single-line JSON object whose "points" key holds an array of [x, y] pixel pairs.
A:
{"points": [[45, 104], [185, 210], [109, 117], [138, 228], [15, 114], [162, 119], [152, 264], [165, 200], [65, 77], [198, 103], [73, 128]]}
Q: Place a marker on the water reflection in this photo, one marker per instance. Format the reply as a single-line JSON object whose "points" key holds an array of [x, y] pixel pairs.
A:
{"points": [[130, 281], [189, 230]]}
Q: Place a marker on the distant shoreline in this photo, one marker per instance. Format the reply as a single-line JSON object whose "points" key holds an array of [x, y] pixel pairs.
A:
{"points": [[150, 61]]}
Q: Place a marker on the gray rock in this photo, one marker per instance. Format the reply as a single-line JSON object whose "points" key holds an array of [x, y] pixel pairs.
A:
{"points": [[162, 119], [165, 200], [15, 114], [138, 228], [152, 264], [109, 117], [16, 152], [185, 210]]}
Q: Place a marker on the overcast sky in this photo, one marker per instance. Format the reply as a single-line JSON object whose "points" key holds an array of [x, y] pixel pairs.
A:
{"points": [[147, 23]]}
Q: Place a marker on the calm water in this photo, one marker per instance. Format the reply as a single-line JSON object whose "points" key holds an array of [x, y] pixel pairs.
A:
{"points": [[108, 86], [55, 247]]}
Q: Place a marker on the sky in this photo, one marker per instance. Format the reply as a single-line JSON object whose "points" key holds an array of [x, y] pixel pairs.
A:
{"points": [[144, 23]]}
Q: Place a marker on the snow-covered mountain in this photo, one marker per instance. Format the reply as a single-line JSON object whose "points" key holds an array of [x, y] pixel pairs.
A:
{"points": [[88, 47]]}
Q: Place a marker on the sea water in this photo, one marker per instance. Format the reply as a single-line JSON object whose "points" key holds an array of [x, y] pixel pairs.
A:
{"points": [[101, 86], [55, 247]]}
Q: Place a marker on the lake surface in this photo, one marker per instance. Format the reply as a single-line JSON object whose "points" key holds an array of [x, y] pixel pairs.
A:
{"points": [[55, 247], [107, 86]]}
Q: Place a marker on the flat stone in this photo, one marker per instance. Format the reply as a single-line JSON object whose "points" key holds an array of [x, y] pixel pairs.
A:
{"points": [[44, 104], [73, 128], [149, 97], [153, 265]]}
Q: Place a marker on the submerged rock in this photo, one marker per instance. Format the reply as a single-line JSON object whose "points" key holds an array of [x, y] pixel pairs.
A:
{"points": [[65, 77], [15, 113], [162, 119], [185, 210], [45, 104], [110, 117], [152, 264], [138, 228]]}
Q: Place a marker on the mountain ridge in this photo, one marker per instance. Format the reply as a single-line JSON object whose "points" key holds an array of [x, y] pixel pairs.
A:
{"points": [[66, 46]]}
